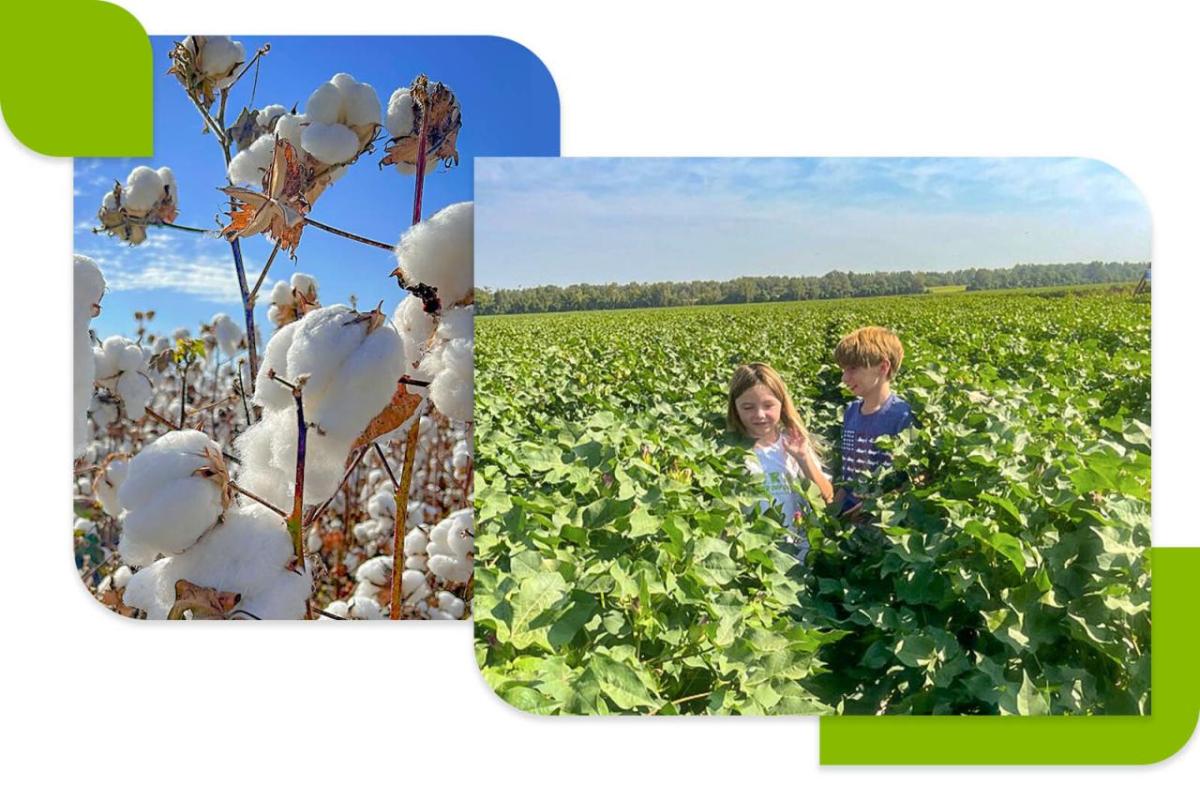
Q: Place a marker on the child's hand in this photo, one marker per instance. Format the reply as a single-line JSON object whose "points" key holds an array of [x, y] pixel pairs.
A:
{"points": [[795, 444]]}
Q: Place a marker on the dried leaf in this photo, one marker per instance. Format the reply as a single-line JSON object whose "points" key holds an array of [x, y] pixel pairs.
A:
{"points": [[218, 472], [289, 187], [401, 407], [205, 603]]}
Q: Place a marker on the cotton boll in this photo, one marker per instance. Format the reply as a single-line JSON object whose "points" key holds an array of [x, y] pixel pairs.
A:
{"points": [[415, 562], [376, 571], [415, 326], [107, 482], [305, 284], [401, 114], [413, 586], [330, 143], [269, 115], [382, 506], [250, 165], [248, 554], [441, 252], [415, 542], [268, 393], [219, 57], [169, 505], [121, 576], [451, 604], [229, 334], [181, 333], [143, 189], [339, 608], [104, 413], [368, 533], [324, 105], [168, 182], [451, 547], [361, 608]]}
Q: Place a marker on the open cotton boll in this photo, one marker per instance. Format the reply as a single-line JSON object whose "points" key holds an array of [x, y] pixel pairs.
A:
{"points": [[249, 165], [377, 571], [169, 505], [268, 393], [305, 284], [219, 57], [121, 576], [451, 547], [107, 483], [414, 586], [453, 387], [401, 114], [339, 608], [168, 182], [451, 604], [143, 188], [441, 252], [382, 506], [457, 323], [248, 554], [229, 334], [362, 608], [329, 143], [269, 115]]}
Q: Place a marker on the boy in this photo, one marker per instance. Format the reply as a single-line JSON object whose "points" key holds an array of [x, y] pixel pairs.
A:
{"points": [[869, 358]]}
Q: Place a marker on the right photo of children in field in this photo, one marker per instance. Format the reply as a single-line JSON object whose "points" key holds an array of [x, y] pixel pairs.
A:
{"points": [[812, 436]]}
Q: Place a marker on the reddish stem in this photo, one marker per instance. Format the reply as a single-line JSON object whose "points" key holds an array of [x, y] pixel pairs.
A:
{"points": [[401, 526]]}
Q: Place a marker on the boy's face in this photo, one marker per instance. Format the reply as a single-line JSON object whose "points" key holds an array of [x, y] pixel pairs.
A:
{"points": [[863, 381], [758, 409]]}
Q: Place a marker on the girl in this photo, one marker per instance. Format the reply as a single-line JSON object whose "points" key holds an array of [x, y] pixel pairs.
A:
{"points": [[761, 408]]}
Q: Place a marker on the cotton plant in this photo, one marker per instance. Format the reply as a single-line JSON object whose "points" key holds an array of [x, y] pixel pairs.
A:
{"points": [[291, 300], [206, 65], [148, 197], [122, 370], [451, 547]]}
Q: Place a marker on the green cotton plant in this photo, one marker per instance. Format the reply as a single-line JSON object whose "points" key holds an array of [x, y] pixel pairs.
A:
{"points": [[1000, 567]]}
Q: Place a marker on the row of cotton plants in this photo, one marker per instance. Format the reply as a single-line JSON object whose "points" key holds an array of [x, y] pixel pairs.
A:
{"points": [[322, 471]]}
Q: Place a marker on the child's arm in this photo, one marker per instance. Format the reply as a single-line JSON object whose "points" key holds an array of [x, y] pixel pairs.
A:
{"points": [[800, 450]]}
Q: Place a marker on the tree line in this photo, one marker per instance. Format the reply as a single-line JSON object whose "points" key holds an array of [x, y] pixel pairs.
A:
{"points": [[758, 289]]}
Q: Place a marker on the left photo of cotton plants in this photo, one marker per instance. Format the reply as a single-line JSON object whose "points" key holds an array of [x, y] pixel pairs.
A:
{"points": [[273, 327]]}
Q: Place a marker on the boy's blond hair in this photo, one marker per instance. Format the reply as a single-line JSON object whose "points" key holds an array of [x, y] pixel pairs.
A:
{"points": [[867, 347], [751, 375]]}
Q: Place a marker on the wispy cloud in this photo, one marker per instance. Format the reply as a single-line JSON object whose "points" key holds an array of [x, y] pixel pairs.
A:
{"points": [[167, 261]]}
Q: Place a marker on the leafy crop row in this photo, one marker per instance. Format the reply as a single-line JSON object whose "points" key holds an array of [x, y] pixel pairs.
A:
{"points": [[618, 571]]}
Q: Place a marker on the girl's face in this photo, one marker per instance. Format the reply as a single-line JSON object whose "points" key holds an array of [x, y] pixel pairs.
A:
{"points": [[758, 409]]}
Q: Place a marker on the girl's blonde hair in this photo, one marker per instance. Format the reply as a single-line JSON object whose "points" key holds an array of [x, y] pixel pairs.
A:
{"points": [[751, 375]]}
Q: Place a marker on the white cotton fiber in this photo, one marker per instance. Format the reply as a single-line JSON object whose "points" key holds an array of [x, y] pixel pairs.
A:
{"points": [[453, 388], [219, 57], [457, 323], [168, 181], [361, 608], [229, 334], [324, 105], [143, 188], [269, 115], [451, 604], [107, 483], [360, 105], [281, 293], [249, 165], [330, 143], [305, 284], [339, 608], [290, 127], [248, 554], [376, 571], [351, 375], [401, 113], [122, 368], [382, 505], [89, 289], [168, 505], [451, 547], [441, 252], [415, 326]]}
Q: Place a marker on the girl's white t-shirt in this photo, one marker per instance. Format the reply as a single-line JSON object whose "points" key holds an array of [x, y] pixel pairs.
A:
{"points": [[781, 474]]}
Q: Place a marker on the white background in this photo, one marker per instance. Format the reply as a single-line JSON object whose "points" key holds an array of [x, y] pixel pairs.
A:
{"points": [[101, 707]]}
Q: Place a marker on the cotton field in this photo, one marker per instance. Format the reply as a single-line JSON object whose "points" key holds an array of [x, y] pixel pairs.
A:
{"points": [[321, 469]]}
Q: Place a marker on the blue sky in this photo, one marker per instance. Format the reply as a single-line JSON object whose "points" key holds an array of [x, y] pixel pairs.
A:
{"points": [[564, 221], [510, 107]]}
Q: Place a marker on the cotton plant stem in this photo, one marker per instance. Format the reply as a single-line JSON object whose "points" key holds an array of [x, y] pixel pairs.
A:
{"points": [[347, 235], [422, 143], [295, 521], [401, 524], [248, 308], [183, 398], [243, 491]]}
